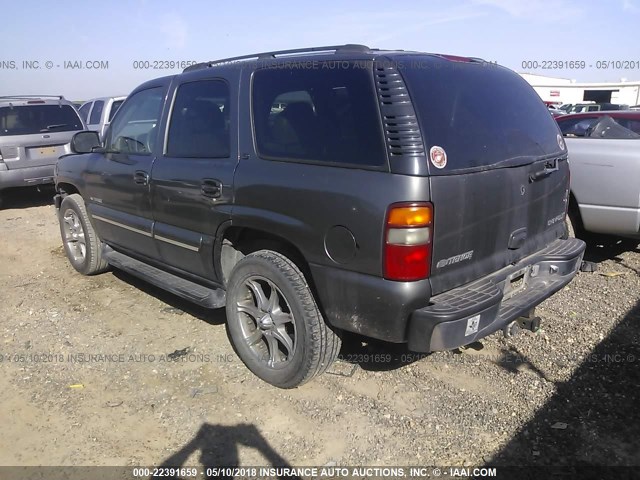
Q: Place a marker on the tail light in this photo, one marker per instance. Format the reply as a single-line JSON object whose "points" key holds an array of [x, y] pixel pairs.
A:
{"points": [[407, 241]]}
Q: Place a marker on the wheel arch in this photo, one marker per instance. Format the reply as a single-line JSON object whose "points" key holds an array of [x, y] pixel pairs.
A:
{"points": [[66, 188], [236, 242]]}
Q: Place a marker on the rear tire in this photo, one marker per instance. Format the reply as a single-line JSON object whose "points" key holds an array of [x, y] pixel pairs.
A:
{"points": [[81, 243], [274, 323]]}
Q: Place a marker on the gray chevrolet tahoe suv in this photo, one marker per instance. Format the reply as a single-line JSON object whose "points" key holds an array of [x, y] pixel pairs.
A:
{"points": [[330, 189], [34, 131]]}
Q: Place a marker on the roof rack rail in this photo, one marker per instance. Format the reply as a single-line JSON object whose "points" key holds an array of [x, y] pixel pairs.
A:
{"points": [[18, 97], [265, 55]]}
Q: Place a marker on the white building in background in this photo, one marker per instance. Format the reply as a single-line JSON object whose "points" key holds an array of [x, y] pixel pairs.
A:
{"points": [[564, 90]]}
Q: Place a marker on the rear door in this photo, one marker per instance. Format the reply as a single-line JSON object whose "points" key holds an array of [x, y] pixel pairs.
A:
{"points": [[497, 164], [36, 133], [192, 179]]}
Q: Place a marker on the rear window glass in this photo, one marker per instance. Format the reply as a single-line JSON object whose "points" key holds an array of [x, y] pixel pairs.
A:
{"points": [[25, 120], [480, 114], [318, 115], [200, 122]]}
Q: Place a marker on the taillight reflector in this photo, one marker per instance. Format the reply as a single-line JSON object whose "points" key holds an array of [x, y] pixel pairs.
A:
{"points": [[409, 216]]}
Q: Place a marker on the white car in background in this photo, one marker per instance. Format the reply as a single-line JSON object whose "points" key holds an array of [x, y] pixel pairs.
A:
{"points": [[97, 113]]}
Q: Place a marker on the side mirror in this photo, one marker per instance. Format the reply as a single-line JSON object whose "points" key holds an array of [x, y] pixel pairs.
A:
{"points": [[85, 142]]}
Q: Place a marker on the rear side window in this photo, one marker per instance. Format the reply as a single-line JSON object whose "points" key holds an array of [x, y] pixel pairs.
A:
{"points": [[480, 114], [114, 108], [28, 119], [326, 115], [200, 120], [96, 113], [135, 129]]}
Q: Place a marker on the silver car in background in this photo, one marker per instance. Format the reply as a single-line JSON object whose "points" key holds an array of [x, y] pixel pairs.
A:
{"points": [[34, 131], [604, 153], [97, 113]]}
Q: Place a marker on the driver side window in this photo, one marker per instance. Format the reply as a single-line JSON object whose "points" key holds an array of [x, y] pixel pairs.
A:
{"points": [[134, 130]]}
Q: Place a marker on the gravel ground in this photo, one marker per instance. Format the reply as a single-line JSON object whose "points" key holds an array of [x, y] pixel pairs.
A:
{"points": [[88, 377]]}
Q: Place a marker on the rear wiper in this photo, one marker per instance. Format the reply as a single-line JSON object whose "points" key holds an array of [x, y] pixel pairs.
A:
{"points": [[549, 167], [58, 125]]}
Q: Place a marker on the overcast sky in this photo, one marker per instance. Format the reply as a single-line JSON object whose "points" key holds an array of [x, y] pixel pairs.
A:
{"points": [[119, 33]]}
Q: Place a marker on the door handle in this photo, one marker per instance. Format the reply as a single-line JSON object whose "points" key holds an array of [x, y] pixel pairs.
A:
{"points": [[141, 177], [211, 188]]}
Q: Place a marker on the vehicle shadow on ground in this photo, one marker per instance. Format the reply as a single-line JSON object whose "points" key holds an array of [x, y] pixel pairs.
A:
{"points": [[593, 419], [217, 446], [375, 355], [603, 247], [20, 198], [177, 304]]}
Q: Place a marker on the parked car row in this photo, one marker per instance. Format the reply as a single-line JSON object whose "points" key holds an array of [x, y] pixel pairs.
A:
{"points": [[591, 107]]}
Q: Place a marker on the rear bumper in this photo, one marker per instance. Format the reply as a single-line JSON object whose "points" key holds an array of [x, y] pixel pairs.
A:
{"points": [[466, 314], [24, 177]]}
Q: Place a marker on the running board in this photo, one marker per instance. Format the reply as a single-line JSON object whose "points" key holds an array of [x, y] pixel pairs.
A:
{"points": [[203, 296]]}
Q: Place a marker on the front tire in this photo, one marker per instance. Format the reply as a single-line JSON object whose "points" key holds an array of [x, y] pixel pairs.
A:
{"points": [[274, 323], [81, 243]]}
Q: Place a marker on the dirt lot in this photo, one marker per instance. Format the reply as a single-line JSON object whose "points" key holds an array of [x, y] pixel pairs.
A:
{"points": [[87, 379]]}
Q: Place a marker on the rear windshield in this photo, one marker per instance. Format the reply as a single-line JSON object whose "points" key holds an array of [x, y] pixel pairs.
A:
{"points": [[480, 114], [28, 119]]}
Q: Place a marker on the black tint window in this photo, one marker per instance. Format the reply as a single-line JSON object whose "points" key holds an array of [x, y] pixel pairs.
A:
{"points": [[200, 120], [325, 115], [479, 114], [84, 111], [134, 130], [25, 120], [114, 108], [96, 113]]}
